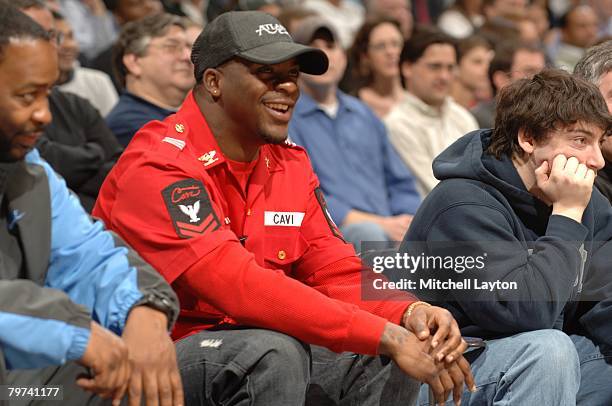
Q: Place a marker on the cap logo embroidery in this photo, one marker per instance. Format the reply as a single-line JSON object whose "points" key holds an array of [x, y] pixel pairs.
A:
{"points": [[271, 29]]}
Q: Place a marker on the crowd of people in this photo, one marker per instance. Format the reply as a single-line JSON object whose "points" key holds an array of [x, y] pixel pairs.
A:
{"points": [[188, 191]]}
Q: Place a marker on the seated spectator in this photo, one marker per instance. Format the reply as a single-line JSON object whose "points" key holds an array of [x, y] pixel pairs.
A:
{"points": [[578, 33], [462, 19], [427, 120], [399, 10], [539, 16], [123, 12], [93, 85], [267, 6], [346, 16], [504, 10], [522, 193], [94, 26], [234, 217], [78, 309], [375, 63], [152, 63], [472, 84], [512, 61], [77, 143], [596, 67], [373, 202]]}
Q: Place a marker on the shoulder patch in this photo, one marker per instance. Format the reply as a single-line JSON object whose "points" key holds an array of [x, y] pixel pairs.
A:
{"points": [[190, 209], [333, 227]]}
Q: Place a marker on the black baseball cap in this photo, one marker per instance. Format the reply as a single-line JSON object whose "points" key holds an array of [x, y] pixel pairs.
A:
{"points": [[254, 36]]}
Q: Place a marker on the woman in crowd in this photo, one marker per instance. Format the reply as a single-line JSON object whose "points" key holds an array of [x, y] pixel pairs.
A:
{"points": [[376, 78]]}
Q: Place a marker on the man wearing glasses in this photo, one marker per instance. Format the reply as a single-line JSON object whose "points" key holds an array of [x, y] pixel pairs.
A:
{"points": [[151, 61]]}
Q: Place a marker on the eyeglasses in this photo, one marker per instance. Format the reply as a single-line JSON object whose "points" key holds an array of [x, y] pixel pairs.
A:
{"points": [[381, 46], [173, 48]]}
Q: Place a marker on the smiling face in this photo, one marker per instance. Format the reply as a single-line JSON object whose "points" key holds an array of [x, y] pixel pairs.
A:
{"points": [[166, 65], [68, 49], [259, 99], [28, 69]]}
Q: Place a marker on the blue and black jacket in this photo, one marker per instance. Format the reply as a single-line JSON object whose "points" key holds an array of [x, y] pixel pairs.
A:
{"points": [[73, 271]]}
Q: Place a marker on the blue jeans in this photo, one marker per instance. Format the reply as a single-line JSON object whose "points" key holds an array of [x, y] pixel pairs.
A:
{"points": [[357, 232], [263, 367], [595, 372], [536, 368]]}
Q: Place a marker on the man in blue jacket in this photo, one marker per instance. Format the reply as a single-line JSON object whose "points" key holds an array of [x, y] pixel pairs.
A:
{"points": [[78, 308], [521, 196], [370, 193]]}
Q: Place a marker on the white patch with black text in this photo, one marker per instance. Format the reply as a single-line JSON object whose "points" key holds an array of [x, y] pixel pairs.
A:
{"points": [[283, 218]]}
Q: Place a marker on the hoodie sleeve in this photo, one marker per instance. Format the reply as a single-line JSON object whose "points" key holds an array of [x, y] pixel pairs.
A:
{"points": [[94, 266], [29, 312], [597, 290], [545, 273]]}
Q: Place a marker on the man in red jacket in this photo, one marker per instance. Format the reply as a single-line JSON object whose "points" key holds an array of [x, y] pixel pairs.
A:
{"points": [[232, 215]]}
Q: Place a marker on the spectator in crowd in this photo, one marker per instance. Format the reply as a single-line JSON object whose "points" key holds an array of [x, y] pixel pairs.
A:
{"points": [[603, 10], [399, 10], [375, 64], [267, 6], [94, 27], [539, 15], [512, 61], [346, 16], [373, 202], [508, 10], [152, 63], [472, 84], [123, 12], [498, 30], [78, 309], [233, 216], [90, 84], [462, 19], [192, 10], [523, 194], [192, 30], [596, 67], [427, 120], [578, 33], [529, 32], [76, 143], [290, 16]]}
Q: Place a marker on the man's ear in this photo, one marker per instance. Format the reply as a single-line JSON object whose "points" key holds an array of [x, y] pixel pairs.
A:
{"points": [[211, 81], [526, 141], [132, 64]]}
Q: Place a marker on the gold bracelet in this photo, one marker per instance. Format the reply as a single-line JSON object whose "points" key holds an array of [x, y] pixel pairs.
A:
{"points": [[415, 305]]}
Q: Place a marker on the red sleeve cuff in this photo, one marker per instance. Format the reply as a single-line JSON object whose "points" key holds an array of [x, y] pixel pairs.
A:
{"points": [[364, 333]]}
